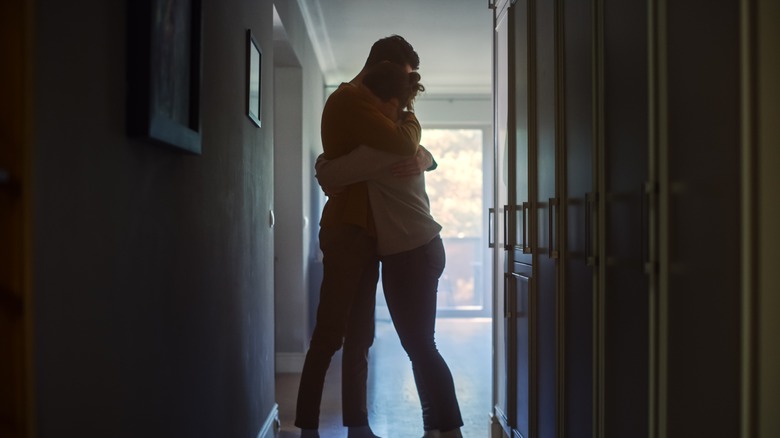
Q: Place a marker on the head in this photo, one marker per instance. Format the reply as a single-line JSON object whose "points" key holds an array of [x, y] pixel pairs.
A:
{"points": [[394, 87], [393, 49]]}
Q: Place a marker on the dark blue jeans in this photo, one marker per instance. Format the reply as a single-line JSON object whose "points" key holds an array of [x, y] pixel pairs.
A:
{"points": [[411, 281], [345, 316]]}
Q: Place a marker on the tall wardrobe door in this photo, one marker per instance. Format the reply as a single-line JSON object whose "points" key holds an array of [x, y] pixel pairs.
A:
{"points": [[523, 172], [544, 122], [702, 295], [624, 285], [576, 214], [520, 250]]}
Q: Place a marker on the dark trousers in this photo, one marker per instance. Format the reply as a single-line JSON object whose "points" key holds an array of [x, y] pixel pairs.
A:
{"points": [[345, 316], [411, 281]]}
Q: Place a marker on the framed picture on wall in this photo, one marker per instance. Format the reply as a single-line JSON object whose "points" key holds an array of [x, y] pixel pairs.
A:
{"points": [[254, 64], [164, 72]]}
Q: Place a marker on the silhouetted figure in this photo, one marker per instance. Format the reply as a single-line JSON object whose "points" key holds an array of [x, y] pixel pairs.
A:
{"points": [[408, 243], [345, 316]]}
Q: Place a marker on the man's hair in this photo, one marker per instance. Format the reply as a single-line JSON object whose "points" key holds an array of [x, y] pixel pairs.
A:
{"points": [[394, 49], [387, 80]]}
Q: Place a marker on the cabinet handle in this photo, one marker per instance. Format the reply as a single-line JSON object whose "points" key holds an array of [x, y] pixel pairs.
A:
{"points": [[552, 221], [491, 237], [590, 200], [515, 301], [646, 193], [507, 244], [524, 209]]}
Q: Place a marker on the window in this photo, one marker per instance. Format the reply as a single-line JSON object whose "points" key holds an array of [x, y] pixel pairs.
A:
{"points": [[457, 191]]}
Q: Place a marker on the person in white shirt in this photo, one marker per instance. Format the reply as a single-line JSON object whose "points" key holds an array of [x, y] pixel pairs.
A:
{"points": [[408, 244]]}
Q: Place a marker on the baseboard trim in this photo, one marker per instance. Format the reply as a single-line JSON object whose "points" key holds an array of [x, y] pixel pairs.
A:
{"points": [[289, 362], [271, 425], [496, 431]]}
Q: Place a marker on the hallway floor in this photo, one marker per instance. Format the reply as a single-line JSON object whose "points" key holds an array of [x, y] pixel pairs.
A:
{"points": [[394, 408]]}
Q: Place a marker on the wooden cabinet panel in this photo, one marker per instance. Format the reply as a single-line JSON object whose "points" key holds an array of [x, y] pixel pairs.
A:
{"points": [[618, 158], [520, 288], [545, 141], [624, 329], [702, 218], [523, 173], [576, 184]]}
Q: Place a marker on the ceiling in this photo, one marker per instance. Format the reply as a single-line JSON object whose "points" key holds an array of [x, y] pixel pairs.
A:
{"points": [[452, 37]]}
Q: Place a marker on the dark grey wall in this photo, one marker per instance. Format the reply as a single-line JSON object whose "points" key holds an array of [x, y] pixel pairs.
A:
{"points": [[152, 269]]}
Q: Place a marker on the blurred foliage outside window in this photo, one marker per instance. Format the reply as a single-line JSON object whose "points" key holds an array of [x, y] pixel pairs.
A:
{"points": [[455, 192], [455, 187]]}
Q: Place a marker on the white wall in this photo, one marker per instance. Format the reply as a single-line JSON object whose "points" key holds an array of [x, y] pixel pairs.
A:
{"points": [[289, 280], [442, 110], [297, 138]]}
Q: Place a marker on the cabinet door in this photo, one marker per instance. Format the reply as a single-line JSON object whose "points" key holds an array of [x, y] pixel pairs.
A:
{"points": [[521, 172], [576, 188], [701, 186], [624, 288], [545, 245], [521, 254]]}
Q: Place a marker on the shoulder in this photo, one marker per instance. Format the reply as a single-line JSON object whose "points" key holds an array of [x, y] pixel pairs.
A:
{"points": [[346, 92], [347, 101]]}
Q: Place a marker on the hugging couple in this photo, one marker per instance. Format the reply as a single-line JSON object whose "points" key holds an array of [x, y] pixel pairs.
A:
{"points": [[372, 170]]}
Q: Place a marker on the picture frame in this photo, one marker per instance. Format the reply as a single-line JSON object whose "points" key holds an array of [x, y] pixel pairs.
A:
{"points": [[164, 72], [254, 66]]}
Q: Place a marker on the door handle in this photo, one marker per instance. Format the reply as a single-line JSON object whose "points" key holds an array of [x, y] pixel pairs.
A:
{"points": [[525, 207], [507, 244], [591, 257], [552, 221], [647, 194], [491, 237], [5, 177]]}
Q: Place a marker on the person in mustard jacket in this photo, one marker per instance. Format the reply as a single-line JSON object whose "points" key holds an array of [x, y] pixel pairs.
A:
{"points": [[345, 315]]}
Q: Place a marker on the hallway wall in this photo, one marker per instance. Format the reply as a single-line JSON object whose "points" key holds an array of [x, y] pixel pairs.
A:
{"points": [[297, 140], [152, 269]]}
